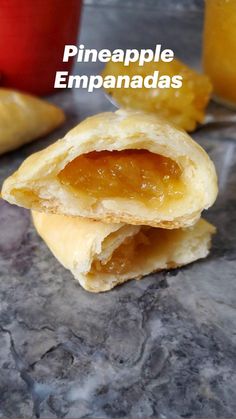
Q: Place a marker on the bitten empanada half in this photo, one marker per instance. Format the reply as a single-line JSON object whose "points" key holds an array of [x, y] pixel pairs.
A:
{"points": [[126, 166], [24, 118], [101, 256]]}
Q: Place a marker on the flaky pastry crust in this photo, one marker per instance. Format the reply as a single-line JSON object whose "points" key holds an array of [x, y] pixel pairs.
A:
{"points": [[24, 118], [77, 243], [36, 184]]}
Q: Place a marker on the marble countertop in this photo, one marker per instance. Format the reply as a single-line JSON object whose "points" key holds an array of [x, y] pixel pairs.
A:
{"points": [[162, 347]]}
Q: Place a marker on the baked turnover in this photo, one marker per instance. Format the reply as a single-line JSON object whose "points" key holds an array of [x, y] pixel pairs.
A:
{"points": [[123, 167], [101, 256], [24, 118], [185, 106]]}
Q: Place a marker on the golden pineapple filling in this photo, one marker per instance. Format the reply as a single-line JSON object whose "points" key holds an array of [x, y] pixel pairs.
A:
{"points": [[123, 257], [139, 175], [134, 250]]}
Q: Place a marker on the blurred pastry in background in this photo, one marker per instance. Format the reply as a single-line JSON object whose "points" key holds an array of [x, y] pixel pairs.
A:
{"points": [[24, 118], [184, 106]]}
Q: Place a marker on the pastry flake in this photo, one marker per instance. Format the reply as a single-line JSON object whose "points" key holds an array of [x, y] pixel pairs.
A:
{"points": [[24, 118], [101, 256], [127, 166]]}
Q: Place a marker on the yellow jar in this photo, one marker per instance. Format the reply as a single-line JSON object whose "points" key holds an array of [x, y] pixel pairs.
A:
{"points": [[219, 48]]}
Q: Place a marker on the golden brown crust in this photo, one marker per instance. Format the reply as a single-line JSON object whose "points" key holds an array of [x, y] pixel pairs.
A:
{"points": [[24, 118], [36, 185], [77, 243]]}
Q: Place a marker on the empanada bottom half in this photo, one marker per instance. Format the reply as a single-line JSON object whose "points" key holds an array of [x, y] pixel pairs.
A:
{"points": [[101, 256]]}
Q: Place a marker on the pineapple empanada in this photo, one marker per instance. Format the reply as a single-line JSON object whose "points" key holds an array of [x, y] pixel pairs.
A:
{"points": [[101, 256], [127, 166], [185, 106], [24, 118]]}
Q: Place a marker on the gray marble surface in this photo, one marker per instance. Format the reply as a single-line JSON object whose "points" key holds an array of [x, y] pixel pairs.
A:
{"points": [[154, 4], [162, 347]]}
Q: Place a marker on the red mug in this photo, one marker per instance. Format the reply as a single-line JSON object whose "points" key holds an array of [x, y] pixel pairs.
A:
{"points": [[33, 34]]}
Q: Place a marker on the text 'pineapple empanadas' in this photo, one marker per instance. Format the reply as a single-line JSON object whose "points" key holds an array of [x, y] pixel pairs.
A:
{"points": [[126, 166], [24, 118], [101, 256]]}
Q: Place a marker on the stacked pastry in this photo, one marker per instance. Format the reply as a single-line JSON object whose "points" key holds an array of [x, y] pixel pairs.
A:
{"points": [[119, 197]]}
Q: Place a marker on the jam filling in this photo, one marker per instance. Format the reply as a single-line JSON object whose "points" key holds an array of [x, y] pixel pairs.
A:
{"points": [[123, 257], [131, 174]]}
